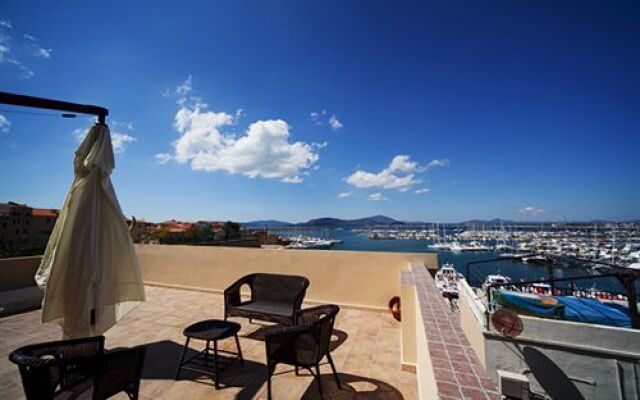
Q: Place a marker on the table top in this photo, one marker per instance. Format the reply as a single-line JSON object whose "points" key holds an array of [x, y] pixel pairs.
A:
{"points": [[212, 329]]}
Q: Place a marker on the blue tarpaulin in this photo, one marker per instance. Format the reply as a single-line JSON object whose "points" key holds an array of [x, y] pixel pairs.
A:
{"points": [[527, 304], [569, 308], [594, 312]]}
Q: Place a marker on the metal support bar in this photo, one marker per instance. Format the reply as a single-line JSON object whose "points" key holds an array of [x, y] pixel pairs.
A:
{"points": [[49, 104], [629, 283]]}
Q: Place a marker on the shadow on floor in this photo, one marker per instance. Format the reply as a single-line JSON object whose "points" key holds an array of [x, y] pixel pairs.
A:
{"points": [[353, 387], [551, 377], [337, 336], [161, 362]]}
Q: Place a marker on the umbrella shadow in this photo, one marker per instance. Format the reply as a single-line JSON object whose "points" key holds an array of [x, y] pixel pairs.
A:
{"points": [[353, 387], [551, 377], [337, 336], [162, 358]]}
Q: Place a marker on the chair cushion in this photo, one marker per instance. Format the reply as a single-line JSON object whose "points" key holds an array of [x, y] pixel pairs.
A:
{"points": [[263, 307]]}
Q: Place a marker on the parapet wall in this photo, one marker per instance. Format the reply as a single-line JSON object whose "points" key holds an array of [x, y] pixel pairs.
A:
{"points": [[18, 272], [354, 278]]}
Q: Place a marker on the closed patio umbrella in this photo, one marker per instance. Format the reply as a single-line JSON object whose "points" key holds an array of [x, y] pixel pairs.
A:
{"points": [[89, 272]]}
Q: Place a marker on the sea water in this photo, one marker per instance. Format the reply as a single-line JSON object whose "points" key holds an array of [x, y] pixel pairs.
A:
{"points": [[475, 274]]}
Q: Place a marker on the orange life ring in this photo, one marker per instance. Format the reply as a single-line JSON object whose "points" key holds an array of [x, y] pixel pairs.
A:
{"points": [[394, 308]]}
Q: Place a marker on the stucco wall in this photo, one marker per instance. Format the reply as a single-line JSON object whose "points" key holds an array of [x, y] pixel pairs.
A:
{"points": [[357, 278], [564, 359], [471, 314], [409, 323], [18, 272]]}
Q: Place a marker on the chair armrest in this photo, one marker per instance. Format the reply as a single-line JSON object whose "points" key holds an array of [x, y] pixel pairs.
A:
{"points": [[119, 370], [313, 314], [74, 348], [72, 360], [232, 293]]}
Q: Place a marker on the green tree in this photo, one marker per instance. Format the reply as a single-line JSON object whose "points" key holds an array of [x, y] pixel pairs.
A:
{"points": [[195, 233], [231, 230], [162, 235]]}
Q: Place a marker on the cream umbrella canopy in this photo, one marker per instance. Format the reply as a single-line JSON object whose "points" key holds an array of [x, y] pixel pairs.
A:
{"points": [[89, 272]]}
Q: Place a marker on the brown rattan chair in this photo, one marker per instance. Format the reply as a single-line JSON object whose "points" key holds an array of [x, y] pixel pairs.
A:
{"points": [[303, 345], [274, 297], [78, 368]]}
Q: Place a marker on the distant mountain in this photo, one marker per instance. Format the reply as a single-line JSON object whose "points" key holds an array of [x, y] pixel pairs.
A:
{"points": [[381, 220], [272, 223], [351, 223]]}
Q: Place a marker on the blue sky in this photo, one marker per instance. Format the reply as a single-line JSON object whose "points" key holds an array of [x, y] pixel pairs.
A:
{"points": [[436, 111]]}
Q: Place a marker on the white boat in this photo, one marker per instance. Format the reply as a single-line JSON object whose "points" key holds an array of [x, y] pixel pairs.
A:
{"points": [[438, 246], [304, 242], [495, 278], [447, 278]]}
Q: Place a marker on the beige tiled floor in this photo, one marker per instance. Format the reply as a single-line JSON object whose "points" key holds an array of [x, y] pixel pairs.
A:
{"points": [[367, 355]]}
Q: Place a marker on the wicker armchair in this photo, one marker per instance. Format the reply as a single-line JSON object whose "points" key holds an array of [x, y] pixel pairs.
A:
{"points": [[303, 345], [78, 368], [274, 297]]}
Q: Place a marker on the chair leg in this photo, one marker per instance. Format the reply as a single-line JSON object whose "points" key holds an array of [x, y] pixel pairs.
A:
{"points": [[239, 349], [184, 351], [297, 371], [269, 373], [318, 379], [333, 368], [215, 362]]}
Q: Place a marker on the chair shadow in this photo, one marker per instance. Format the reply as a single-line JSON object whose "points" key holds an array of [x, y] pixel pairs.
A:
{"points": [[337, 336], [551, 377], [162, 358], [353, 387]]}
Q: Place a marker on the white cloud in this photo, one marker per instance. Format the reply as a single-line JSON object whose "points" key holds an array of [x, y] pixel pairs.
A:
{"points": [[293, 179], [438, 163], [423, 191], [5, 50], [404, 164], [163, 158], [320, 118], [119, 140], [5, 124], [335, 123], [344, 195], [42, 52], [239, 114], [185, 88], [17, 50], [530, 211], [264, 150], [398, 175], [377, 197]]}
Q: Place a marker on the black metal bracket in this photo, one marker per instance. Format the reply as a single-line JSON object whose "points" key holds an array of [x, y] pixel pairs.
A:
{"points": [[49, 104]]}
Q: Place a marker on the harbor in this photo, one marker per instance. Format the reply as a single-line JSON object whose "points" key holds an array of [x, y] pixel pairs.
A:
{"points": [[522, 252]]}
